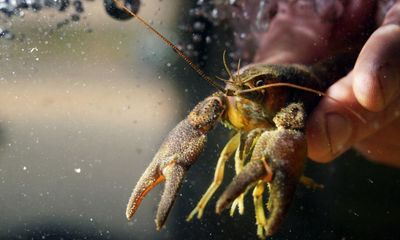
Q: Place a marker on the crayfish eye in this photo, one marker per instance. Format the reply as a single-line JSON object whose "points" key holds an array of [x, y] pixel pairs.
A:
{"points": [[259, 83]]}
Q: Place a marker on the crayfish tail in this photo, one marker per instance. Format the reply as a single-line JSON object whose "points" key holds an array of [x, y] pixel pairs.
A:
{"points": [[252, 172], [174, 175], [150, 178]]}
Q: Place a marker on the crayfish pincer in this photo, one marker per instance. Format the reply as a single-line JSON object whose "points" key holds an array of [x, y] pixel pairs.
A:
{"points": [[179, 151]]}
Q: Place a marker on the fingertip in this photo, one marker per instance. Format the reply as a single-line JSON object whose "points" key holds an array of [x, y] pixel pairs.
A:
{"points": [[377, 87], [329, 132], [368, 91], [393, 15], [376, 75], [317, 142]]}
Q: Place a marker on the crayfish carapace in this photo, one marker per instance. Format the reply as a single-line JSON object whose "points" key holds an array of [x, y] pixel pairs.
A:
{"points": [[267, 106]]}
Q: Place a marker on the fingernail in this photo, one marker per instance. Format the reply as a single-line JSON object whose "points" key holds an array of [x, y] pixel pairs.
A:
{"points": [[338, 130], [389, 83]]}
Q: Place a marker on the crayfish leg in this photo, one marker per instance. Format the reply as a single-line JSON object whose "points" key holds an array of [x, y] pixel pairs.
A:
{"points": [[226, 153], [239, 163], [247, 143], [261, 220]]}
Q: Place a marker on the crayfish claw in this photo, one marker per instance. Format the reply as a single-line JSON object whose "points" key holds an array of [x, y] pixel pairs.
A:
{"points": [[238, 204], [174, 175], [150, 178], [252, 172], [180, 149]]}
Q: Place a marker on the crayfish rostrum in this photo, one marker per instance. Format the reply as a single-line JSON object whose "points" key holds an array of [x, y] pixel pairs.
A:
{"points": [[267, 107]]}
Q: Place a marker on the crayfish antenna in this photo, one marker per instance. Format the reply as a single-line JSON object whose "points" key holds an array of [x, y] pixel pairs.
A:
{"points": [[231, 76], [306, 89], [172, 45]]}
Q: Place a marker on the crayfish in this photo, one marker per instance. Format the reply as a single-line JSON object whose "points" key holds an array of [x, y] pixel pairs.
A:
{"points": [[267, 107]]}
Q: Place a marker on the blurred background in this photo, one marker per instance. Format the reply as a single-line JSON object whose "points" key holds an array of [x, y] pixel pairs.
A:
{"points": [[83, 109]]}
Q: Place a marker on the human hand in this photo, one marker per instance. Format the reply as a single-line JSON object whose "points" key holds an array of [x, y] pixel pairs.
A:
{"points": [[298, 34]]}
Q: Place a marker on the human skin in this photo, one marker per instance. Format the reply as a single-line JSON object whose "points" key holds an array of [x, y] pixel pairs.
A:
{"points": [[372, 88]]}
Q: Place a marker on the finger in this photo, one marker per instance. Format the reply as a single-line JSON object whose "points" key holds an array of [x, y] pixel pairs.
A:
{"points": [[329, 131], [392, 16], [332, 129], [376, 73], [384, 145], [372, 89]]}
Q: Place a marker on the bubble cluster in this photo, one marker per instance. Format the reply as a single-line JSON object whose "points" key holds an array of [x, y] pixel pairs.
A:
{"points": [[241, 20], [73, 8], [17, 8]]}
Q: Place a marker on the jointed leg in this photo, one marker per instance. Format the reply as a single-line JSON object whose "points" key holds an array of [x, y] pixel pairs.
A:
{"points": [[261, 220], [246, 145], [226, 153], [239, 163]]}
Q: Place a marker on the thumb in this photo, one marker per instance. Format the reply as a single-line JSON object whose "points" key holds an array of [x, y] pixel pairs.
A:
{"points": [[372, 89]]}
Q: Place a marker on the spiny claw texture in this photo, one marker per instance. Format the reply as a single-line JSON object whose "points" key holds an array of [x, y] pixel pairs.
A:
{"points": [[252, 172], [178, 152]]}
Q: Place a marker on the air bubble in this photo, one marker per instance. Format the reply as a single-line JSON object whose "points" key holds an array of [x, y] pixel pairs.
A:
{"points": [[197, 38], [6, 34], [214, 13], [199, 26]]}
